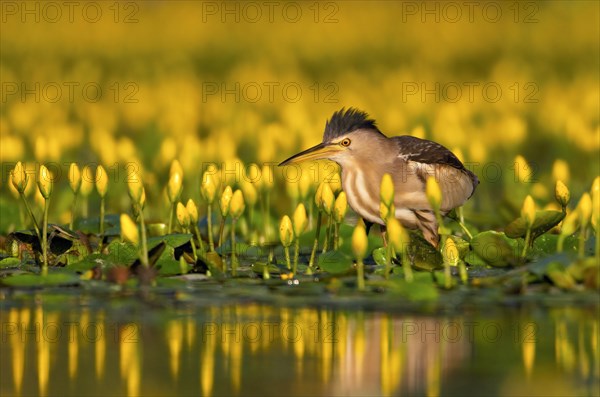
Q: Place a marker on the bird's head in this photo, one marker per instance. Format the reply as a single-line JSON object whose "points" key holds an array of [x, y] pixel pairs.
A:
{"points": [[349, 135]]}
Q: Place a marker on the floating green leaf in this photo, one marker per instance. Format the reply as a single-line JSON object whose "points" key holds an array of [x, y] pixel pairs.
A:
{"points": [[544, 221], [335, 262], [495, 249]]}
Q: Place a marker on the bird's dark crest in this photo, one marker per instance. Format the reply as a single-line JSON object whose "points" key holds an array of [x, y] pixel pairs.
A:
{"points": [[344, 121]]}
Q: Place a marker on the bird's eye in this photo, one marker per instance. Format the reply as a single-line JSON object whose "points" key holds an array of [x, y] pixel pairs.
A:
{"points": [[345, 142]]}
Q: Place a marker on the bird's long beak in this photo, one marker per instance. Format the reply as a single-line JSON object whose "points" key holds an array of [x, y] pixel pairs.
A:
{"points": [[318, 152]]}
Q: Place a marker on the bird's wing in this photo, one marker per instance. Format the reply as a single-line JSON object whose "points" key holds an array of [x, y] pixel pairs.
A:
{"points": [[420, 159]]}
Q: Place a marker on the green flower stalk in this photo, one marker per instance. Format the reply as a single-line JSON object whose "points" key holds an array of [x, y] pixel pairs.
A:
{"points": [[184, 220], [584, 208], [19, 180], [137, 194], [193, 212], [562, 195], [339, 212], [327, 203], [286, 235], [236, 210], [44, 183], [75, 183], [87, 185], [528, 213], [319, 206], [208, 189], [399, 240], [387, 212], [266, 185], [174, 189], [360, 244], [595, 193], [224, 204], [101, 187], [300, 223]]}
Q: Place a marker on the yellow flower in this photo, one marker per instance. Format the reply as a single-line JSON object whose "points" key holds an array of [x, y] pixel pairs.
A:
{"points": [[176, 168], [562, 194], [183, 217], [208, 187], [335, 182], [319, 196], [387, 190], [304, 185], [433, 193], [226, 201], [595, 192], [570, 223], [45, 182], [585, 209], [250, 194], [360, 243], [192, 210], [87, 181], [19, 177], [528, 210], [450, 252], [560, 170], [340, 207], [101, 181], [135, 187], [129, 230], [74, 177], [523, 172], [237, 204], [397, 235], [300, 220], [327, 199], [286, 232], [175, 185]]}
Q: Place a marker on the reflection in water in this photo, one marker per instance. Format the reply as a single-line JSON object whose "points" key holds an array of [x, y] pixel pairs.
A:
{"points": [[256, 349]]}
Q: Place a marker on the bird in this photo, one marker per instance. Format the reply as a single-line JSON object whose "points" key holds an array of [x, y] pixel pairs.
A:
{"points": [[354, 141]]}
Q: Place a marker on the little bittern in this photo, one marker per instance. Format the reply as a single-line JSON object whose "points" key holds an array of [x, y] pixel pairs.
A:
{"points": [[365, 154]]}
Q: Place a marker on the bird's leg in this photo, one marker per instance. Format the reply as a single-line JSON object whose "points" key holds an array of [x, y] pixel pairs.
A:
{"points": [[383, 231]]}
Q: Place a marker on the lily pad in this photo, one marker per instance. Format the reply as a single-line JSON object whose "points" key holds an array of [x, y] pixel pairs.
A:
{"points": [[496, 249], [335, 262], [173, 240], [34, 280], [7, 263], [418, 290], [544, 221]]}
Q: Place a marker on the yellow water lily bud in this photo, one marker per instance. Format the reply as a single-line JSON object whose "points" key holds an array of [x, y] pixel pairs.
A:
{"points": [[596, 185], [87, 181], [101, 181], [225, 201], [562, 194], [433, 193], [208, 187], [175, 186], [19, 177], [327, 199], [250, 193], [360, 243], [304, 185], [44, 182], [300, 220], [386, 192], [286, 232], [560, 170], [450, 252], [528, 210], [523, 171], [570, 223], [340, 207], [176, 168], [192, 210], [142, 201], [135, 187], [237, 205], [74, 177], [129, 230], [585, 208], [266, 177], [397, 235], [319, 196], [386, 212], [335, 183], [183, 216]]}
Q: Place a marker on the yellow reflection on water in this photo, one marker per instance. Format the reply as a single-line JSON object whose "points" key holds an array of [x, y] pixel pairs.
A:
{"points": [[318, 351]]}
